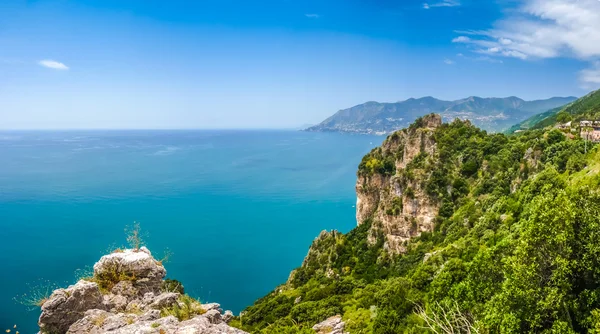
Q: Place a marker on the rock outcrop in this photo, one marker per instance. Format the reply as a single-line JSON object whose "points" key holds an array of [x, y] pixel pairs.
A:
{"points": [[390, 190], [332, 325], [126, 295]]}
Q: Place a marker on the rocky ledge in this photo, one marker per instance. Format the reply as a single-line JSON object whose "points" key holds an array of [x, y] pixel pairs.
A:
{"points": [[128, 294]]}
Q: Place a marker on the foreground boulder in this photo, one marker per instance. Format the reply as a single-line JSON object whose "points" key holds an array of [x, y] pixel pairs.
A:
{"points": [[138, 267], [65, 306], [127, 294]]}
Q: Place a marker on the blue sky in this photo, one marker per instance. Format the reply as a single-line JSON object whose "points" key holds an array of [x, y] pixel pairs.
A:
{"points": [[279, 63]]}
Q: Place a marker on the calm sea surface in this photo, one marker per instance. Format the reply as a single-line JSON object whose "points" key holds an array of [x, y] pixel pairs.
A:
{"points": [[238, 209]]}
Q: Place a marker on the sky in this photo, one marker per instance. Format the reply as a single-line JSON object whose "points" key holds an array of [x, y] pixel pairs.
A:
{"points": [[279, 63]]}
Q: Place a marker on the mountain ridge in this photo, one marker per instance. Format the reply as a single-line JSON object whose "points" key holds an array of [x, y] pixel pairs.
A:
{"points": [[491, 114]]}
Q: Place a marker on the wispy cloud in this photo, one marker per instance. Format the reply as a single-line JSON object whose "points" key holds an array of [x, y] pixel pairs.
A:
{"points": [[481, 58], [53, 64], [461, 39], [448, 61], [540, 29], [312, 16], [590, 78], [443, 3]]}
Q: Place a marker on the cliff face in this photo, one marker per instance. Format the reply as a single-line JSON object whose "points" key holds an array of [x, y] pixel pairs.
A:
{"points": [[127, 294], [390, 188]]}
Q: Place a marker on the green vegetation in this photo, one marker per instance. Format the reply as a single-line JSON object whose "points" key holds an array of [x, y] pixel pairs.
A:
{"points": [[375, 163], [186, 308], [585, 108], [515, 249], [172, 285]]}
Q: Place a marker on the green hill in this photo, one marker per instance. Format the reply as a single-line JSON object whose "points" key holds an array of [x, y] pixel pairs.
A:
{"points": [[587, 107], [514, 246]]}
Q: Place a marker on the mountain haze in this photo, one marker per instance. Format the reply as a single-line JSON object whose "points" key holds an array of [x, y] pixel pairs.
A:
{"points": [[492, 114]]}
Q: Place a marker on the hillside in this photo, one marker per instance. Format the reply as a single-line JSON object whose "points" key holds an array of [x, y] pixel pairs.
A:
{"points": [[491, 114], [457, 229], [587, 107]]}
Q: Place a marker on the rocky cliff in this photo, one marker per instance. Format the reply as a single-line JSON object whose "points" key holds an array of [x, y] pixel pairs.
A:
{"points": [[390, 189], [128, 294]]}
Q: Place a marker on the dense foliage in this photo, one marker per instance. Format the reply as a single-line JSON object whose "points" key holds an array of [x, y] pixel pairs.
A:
{"points": [[516, 247]]}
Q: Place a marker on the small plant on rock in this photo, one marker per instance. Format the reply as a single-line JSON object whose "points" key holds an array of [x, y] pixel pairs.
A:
{"points": [[172, 285], [165, 258], [38, 294], [135, 236], [186, 308]]}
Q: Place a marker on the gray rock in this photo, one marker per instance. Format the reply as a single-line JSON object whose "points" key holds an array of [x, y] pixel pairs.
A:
{"points": [[126, 289], [333, 325], [133, 305], [139, 267], [163, 300], [227, 316], [91, 323], [197, 325], [115, 303], [150, 315], [212, 306], [66, 306], [213, 316]]}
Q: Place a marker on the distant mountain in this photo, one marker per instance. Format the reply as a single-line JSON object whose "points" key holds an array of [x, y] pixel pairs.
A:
{"points": [[587, 107], [492, 114]]}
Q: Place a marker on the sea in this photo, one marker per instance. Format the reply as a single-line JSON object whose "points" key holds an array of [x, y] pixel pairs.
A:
{"points": [[236, 209]]}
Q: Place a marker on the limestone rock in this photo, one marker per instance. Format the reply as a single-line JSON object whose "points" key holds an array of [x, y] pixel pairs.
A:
{"points": [[66, 306], [227, 316], [115, 303], [333, 325], [212, 306], [125, 288], [139, 267], [398, 203], [132, 306], [213, 316], [91, 323], [163, 300]]}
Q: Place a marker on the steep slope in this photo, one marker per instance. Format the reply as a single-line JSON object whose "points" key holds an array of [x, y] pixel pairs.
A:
{"points": [[513, 246], [587, 107], [492, 114], [388, 188]]}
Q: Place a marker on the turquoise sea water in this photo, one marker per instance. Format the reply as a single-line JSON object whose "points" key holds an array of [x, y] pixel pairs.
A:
{"points": [[238, 209]]}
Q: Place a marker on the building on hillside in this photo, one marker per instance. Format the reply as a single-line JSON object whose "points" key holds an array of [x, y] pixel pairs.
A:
{"points": [[590, 130], [565, 126]]}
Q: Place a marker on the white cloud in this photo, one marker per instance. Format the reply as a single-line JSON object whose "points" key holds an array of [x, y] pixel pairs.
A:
{"points": [[443, 3], [540, 29], [461, 39], [590, 78], [53, 64], [312, 16], [544, 29], [448, 61]]}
